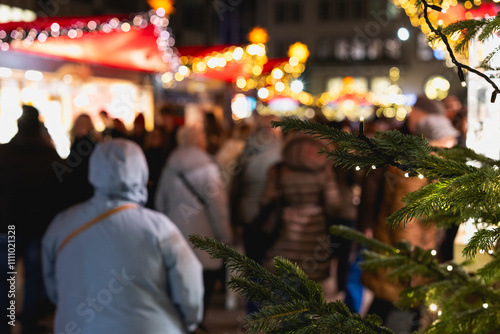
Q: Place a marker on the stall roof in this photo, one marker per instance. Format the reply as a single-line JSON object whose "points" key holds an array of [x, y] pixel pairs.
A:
{"points": [[135, 49]]}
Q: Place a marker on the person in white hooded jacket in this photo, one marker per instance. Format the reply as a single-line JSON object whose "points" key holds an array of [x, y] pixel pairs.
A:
{"points": [[111, 265], [191, 193]]}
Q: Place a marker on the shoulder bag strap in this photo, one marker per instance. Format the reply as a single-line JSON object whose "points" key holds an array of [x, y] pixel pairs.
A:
{"points": [[192, 189], [92, 222]]}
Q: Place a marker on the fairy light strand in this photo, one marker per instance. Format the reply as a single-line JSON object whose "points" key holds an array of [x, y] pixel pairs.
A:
{"points": [[460, 66]]}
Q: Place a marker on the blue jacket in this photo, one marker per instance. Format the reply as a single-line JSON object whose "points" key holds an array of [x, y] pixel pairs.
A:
{"points": [[132, 272]]}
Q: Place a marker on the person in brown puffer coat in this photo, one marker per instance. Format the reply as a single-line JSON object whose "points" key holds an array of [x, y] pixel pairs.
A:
{"points": [[310, 198], [439, 132]]}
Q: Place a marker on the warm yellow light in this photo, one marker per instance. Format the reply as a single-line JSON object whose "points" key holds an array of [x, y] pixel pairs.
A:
{"points": [[294, 61], [277, 73], [433, 307], [300, 51], [256, 70], [263, 93], [251, 84], [125, 27], [201, 66], [167, 5], [258, 35], [238, 53], [279, 86], [241, 82], [228, 56], [167, 77], [178, 76], [212, 62]]}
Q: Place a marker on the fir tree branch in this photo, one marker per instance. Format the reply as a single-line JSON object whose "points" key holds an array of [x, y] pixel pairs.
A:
{"points": [[290, 303], [460, 66], [484, 239]]}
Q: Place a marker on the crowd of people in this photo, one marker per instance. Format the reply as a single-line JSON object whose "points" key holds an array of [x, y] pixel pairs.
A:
{"points": [[103, 234]]}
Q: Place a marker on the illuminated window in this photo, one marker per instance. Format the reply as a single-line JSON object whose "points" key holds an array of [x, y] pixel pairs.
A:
{"points": [[375, 49], [342, 49], [393, 48]]}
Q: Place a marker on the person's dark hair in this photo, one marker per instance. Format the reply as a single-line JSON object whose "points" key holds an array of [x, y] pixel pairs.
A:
{"points": [[31, 130], [29, 123], [139, 119]]}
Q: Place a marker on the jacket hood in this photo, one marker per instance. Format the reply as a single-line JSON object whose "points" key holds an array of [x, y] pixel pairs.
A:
{"points": [[118, 170], [301, 152]]}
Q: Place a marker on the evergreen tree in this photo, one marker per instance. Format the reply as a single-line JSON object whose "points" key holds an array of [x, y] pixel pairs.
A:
{"points": [[466, 188]]}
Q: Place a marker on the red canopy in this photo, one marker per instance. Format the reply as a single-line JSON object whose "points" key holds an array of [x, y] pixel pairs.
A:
{"points": [[135, 49]]}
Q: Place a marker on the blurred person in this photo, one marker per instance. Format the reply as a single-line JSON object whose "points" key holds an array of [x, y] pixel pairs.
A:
{"points": [[227, 155], [108, 124], [191, 193], [119, 129], [168, 121], [226, 158], [83, 138], [429, 121], [156, 152], [214, 132], [306, 184], [261, 151], [457, 113], [30, 196], [113, 266], [441, 133], [348, 182], [139, 132]]}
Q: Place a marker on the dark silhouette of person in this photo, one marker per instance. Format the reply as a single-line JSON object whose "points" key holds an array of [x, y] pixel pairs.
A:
{"points": [[30, 196]]}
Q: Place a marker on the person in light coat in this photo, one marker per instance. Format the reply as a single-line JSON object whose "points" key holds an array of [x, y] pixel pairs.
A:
{"points": [[127, 271], [192, 194]]}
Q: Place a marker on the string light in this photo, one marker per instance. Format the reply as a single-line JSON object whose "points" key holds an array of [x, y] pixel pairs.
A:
{"points": [[436, 7], [494, 96], [433, 252], [461, 77], [449, 267], [433, 307]]}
